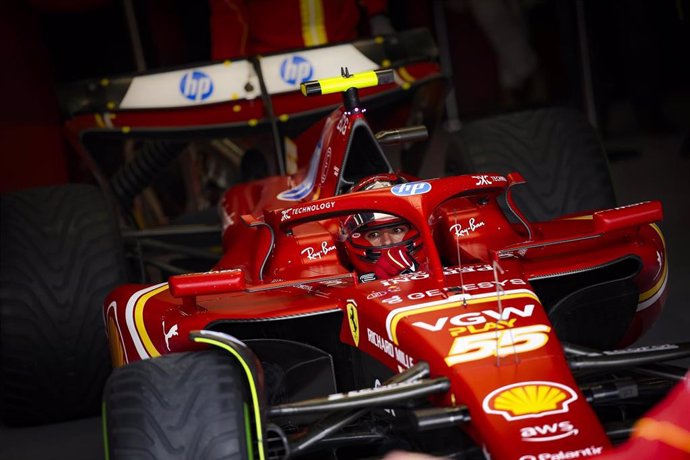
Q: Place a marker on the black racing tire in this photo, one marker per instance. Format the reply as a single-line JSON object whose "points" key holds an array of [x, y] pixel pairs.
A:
{"points": [[556, 150], [61, 255], [179, 406]]}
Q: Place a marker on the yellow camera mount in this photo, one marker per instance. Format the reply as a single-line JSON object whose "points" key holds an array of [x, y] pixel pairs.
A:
{"points": [[346, 81]]}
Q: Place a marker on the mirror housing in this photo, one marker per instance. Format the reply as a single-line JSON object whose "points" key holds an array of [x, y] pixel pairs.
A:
{"points": [[213, 282], [627, 216]]}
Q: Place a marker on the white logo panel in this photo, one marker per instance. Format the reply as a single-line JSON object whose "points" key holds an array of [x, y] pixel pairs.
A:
{"points": [[164, 89]]}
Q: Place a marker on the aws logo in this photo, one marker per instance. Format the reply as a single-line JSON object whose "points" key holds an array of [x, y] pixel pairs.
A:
{"points": [[529, 400], [548, 432], [295, 70], [196, 85]]}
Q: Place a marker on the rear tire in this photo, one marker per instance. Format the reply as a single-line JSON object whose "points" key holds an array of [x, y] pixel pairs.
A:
{"points": [[178, 406], [556, 150], [61, 255]]}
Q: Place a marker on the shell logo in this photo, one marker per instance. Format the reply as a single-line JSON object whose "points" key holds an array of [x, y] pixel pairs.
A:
{"points": [[529, 400]]}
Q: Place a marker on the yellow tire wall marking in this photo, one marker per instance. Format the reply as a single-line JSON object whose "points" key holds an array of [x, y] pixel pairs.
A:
{"points": [[252, 388]]}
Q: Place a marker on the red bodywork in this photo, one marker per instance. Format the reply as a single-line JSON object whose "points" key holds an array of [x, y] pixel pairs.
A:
{"points": [[471, 312]]}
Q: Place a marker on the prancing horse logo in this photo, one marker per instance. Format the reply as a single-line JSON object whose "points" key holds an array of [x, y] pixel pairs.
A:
{"points": [[353, 320]]}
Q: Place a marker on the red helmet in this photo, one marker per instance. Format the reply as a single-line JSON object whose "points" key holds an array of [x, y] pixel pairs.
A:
{"points": [[381, 245]]}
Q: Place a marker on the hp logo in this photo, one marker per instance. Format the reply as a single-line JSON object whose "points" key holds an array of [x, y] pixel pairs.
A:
{"points": [[295, 70], [196, 85], [411, 188]]}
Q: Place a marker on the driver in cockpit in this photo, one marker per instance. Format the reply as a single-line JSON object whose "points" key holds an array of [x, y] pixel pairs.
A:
{"points": [[379, 245]]}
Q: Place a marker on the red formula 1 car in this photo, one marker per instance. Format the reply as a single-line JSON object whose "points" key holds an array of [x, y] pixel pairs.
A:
{"points": [[355, 311]]}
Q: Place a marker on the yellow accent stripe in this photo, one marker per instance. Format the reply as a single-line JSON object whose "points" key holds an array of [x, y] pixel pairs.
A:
{"points": [[402, 71], [445, 306], [252, 388], [139, 320], [654, 289], [99, 120], [666, 432], [650, 292], [658, 231], [313, 27]]}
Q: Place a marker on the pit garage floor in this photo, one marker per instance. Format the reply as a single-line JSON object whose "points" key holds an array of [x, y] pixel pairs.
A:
{"points": [[643, 166]]}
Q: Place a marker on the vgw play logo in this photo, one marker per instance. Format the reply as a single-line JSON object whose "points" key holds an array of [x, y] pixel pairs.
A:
{"points": [[295, 70], [196, 85]]}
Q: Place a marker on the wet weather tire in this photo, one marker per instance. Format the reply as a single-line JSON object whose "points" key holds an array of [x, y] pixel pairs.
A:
{"points": [[61, 255], [556, 150], [178, 406]]}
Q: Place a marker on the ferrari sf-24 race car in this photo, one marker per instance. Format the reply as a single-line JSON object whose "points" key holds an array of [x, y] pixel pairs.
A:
{"points": [[475, 332]]}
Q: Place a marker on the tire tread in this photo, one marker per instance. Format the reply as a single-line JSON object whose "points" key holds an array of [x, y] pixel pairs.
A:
{"points": [[557, 152], [178, 406], [61, 256]]}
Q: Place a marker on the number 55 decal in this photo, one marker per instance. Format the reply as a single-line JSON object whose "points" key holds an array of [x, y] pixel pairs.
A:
{"points": [[502, 343]]}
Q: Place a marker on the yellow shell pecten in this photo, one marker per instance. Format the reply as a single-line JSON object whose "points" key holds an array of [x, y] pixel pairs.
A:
{"points": [[530, 399]]}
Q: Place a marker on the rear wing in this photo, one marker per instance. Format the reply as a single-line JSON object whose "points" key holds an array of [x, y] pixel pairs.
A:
{"points": [[245, 79]]}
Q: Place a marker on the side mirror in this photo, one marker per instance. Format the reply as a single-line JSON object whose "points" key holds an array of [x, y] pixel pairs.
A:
{"points": [[627, 216], [216, 282]]}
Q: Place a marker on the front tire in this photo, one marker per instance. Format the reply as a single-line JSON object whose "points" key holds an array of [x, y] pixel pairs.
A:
{"points": [[179, 406]]}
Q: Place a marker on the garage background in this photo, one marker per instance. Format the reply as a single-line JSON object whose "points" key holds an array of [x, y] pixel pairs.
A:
{"points": [[624, 64]]}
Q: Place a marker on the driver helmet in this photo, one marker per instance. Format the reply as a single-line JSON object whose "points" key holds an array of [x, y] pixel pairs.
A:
{"points": [[381, 245]]}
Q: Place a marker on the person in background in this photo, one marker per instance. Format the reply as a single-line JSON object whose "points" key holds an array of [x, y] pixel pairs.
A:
{"points": [[248, 27], [504, 25]]}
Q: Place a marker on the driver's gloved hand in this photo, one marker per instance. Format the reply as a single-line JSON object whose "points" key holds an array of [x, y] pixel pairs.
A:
{"points": [[393, 262]]}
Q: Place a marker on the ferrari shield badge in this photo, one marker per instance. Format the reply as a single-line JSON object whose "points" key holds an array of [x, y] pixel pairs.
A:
{"points": [[353, 320]]}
